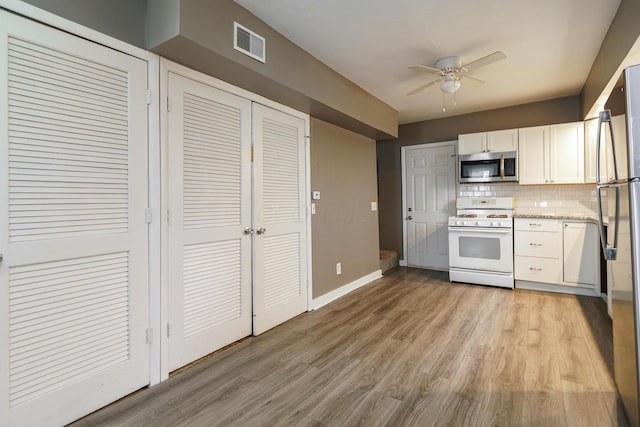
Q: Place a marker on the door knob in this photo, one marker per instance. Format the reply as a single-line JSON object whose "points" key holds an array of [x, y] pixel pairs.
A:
{"points": [[261, 230], [409, 217], [1, 257], [248, 230]]}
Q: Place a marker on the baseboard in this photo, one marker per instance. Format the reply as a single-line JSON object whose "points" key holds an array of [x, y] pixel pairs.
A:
{"points": [[572, 290], [325, 299], [402, 263]]}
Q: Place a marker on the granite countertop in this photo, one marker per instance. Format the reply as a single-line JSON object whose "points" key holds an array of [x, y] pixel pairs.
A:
{"points": [[554, 216]]}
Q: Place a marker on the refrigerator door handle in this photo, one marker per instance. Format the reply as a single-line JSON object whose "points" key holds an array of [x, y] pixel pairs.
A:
{"points": [[605, 117], [610, 253]]}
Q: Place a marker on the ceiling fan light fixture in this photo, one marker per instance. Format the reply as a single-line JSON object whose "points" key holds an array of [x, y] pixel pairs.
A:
{"points": [[450, 86]]}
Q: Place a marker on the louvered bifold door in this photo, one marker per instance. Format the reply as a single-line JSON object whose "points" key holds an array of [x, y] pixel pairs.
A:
{"points": [[73, 193], [209, 195], [279, 185]]}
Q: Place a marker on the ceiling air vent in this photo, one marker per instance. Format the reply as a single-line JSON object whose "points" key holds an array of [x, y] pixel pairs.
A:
{"points": [[248, 42]]}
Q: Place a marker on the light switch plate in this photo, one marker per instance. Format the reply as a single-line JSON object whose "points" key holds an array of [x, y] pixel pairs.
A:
{"points": [[374, 206], [315, 195]]}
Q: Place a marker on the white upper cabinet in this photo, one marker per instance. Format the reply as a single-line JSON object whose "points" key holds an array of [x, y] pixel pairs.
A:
{"points": [[566, 153], [533, 155], [552, 154], [502, 140], [472, 143], [484, 142]]}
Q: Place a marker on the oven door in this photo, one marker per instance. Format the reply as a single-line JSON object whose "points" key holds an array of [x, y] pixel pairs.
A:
{"points": [[486, 249]]}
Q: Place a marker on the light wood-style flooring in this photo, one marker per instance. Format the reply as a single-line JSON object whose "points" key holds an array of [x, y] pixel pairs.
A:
{"points": [[410, 349]]}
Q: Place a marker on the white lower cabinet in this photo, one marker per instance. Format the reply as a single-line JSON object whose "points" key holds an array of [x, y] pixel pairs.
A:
{"points": [[581, 257], [556, 255]]}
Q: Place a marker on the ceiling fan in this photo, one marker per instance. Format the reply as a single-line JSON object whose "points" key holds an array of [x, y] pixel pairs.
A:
{"points": [[451, 71]]}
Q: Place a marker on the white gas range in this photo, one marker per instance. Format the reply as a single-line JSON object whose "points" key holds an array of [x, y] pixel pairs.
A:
{"points": [[481, 241]]}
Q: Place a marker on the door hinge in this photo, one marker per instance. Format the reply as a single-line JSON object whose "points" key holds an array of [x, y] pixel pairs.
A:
{"points": [[168, 330], [149, 335], [147, 215], [168, 217], [148, 96], [251, 153], [168, 103]]}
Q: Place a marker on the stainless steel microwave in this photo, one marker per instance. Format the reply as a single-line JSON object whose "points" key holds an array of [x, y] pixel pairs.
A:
{"points": [[489, 167]]}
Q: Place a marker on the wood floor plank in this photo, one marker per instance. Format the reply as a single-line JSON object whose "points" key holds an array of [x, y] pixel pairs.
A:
{"points": [[410, 349], [542, 383]]}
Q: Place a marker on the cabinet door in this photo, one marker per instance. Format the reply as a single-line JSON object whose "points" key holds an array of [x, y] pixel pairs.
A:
{"points": [[472, 143], [532, 157], [502, 140], [590, 158], [566, 153], [580, 253]]}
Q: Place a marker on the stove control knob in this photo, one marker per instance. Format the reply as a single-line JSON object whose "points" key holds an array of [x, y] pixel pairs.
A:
{"points": [[495, 224], [478, 223]]}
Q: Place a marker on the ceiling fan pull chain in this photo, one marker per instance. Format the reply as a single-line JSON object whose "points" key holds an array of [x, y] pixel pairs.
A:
{"points": [[443, 109], [455, 101]]}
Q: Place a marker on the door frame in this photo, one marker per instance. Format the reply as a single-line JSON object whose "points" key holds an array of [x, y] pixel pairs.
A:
{"points": [[403, 159], [167, 66]]}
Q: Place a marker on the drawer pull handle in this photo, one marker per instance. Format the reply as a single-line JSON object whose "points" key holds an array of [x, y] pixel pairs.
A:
{"points": [[535, 269], [535, 244]]}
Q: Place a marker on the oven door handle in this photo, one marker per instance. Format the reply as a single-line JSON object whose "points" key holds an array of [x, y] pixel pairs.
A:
{"points": [[482, 230], [502, 167]]}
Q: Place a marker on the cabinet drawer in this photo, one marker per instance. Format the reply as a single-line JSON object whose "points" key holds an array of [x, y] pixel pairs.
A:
{"points": [[542, 244], [536, 224], [545, 270]]}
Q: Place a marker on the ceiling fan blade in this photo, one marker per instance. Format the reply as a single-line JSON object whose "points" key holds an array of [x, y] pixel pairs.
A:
{"points": [[425, 86], [426, 69], [472, 80], [485, 60]]}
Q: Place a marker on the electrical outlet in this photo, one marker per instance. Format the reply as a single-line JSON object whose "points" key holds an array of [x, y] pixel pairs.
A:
{"points": [[339, 268], [313, 208]]}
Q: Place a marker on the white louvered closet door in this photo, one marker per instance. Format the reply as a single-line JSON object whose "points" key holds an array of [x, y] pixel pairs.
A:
{"points": [[73, 193], [280, 267], [209, 207]]}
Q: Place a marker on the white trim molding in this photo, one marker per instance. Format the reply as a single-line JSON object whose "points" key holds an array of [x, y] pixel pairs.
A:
{"points": [[344, 290]]}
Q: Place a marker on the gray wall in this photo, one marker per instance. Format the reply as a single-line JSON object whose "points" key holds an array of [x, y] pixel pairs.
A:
{"points": [[121, 19], [290, 75], [344, 229], [622, 34], [561, 110]]}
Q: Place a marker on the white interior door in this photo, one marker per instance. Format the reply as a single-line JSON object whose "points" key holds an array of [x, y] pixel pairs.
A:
{"points": [[280, 269], [73, 193], [430, 195], [209, 207]]}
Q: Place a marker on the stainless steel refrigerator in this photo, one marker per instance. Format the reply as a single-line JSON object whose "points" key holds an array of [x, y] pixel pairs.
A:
{"points": [[621, 240]]}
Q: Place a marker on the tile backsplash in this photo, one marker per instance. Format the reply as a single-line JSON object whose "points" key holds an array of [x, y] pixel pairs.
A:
{"points": [[575, 199]]}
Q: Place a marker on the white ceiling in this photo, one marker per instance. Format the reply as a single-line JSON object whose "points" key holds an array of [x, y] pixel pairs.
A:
{"points": [[550, 46]]}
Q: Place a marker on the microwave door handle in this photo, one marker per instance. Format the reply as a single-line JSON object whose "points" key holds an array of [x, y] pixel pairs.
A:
{"points": [[502, 167]]}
